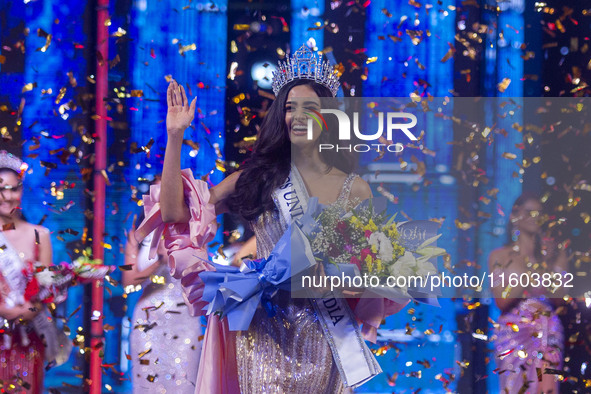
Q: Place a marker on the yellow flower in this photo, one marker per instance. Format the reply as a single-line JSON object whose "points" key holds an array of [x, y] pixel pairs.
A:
{"points": [[369, 262], [355, 222], [379, 265], [374, 248], [371, 226], [393, 232], [398, 251]]}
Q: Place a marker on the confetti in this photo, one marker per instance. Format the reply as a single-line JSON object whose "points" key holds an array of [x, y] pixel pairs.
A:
{"points": [[48, 37], [503, 85]]}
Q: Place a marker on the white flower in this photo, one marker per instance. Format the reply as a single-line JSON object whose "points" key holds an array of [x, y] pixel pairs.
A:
{"points": [[404, 266], [383, 244], [425, 267], [45, 278]]}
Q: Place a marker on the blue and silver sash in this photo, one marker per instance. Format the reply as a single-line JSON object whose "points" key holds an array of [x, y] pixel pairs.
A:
{"points": [[352, 357]]}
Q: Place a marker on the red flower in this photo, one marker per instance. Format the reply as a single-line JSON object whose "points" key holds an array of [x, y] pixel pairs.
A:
{"points": [[365, 252], [32, 289], [355, 260], [367, 233], [333, 251], [341, 227]]}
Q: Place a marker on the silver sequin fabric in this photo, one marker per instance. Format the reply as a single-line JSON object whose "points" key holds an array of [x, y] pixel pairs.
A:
{"points": [[170, 336], [286, 353]]}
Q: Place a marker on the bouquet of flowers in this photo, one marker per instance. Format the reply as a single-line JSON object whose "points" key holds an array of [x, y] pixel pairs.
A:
{"points": [[50, 284], [375, 243]]}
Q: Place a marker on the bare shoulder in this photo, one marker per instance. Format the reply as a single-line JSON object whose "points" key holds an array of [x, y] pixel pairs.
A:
{"points": [[498, 256], [40, 229], [30, 229], [360, 189]]}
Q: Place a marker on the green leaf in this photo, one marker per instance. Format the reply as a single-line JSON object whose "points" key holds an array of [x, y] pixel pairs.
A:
{"points": [[432, 251], [429, 241], [389, 222]]}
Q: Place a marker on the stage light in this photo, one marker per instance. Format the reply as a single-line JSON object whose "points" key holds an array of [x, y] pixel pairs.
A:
{"points": [[262, 72]]}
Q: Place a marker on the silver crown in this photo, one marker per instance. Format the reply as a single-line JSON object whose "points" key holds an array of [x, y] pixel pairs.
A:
{"points": [[10, 161], [304, 64]]}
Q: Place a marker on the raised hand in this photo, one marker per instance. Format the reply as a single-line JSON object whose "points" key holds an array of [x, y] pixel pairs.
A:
{"points": [[180, 114]]}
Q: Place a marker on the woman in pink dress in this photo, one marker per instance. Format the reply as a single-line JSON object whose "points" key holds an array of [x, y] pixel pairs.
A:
{"points": [[165, 338], [529, 337]]}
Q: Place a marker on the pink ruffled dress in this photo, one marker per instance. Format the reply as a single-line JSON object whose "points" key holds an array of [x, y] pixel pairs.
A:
{"points": [[285, 353]]}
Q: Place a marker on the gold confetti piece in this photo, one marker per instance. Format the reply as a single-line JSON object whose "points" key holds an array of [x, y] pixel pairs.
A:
{"points": [[409, 329], [142, 354], [421, 66], [8, 226], [137, 93], [394, 38], [186, 48], [463, 364], [504, 84], [424, 363], [462, 226], [60, 95], [448, 55], [28, 87], [119, 33], [42, 33], [509, 156], [151, 378], [2, 59], [104, 174]]}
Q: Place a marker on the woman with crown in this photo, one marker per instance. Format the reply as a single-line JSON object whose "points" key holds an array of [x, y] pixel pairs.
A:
{"points": [[295, 350], [21, 349]]}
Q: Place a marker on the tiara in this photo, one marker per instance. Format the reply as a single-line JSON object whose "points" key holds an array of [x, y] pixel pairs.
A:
{"points": [[304, 64], [10, 161]]}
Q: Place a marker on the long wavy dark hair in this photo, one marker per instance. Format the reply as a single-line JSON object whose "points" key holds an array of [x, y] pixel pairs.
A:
{"points": [[269, 165]]}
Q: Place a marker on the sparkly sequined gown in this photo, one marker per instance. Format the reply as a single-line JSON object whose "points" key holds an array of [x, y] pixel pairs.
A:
{"points": [[286, 353], [529, 334], [171, 337], [21, 348]]}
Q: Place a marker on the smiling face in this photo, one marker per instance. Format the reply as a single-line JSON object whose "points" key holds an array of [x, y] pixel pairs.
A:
{"points": [[526, 218], [301, 101], [11, 192]]}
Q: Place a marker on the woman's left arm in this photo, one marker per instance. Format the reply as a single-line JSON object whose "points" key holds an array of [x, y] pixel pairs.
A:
{"points": [[45, 250], [45, 257]]}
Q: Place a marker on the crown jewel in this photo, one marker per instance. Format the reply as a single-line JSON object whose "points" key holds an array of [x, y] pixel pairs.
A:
{"points": [[304, 64], [10, 161]]}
